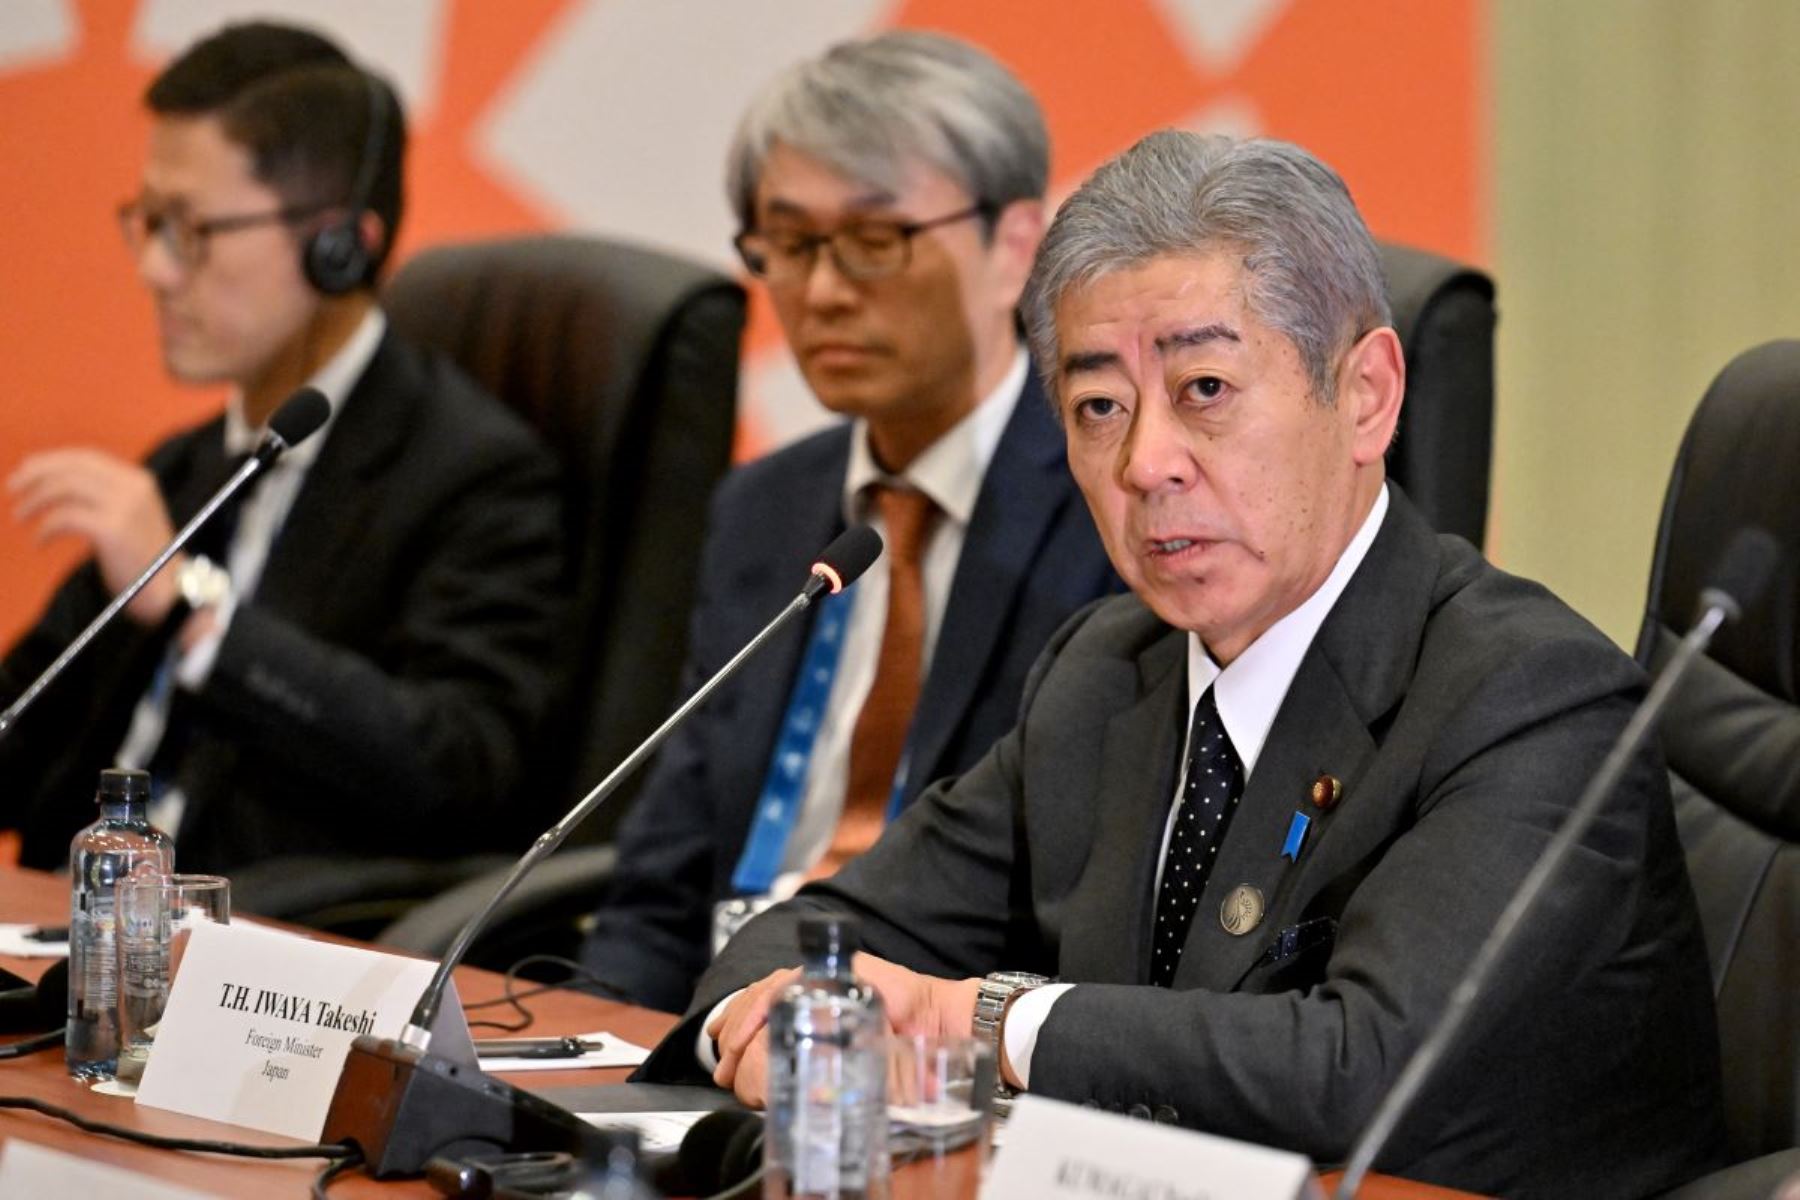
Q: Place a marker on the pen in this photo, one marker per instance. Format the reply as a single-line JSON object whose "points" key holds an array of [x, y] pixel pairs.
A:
{"points": [[48, 933], [554, 1047]]}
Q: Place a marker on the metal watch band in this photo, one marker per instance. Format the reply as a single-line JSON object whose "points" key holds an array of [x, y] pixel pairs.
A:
{"points": [[202, 583], [991, 998]]}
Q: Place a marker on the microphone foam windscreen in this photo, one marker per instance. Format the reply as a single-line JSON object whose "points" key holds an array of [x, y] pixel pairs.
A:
{"points": [[300, 416], [1743, 569], [851, 553]]}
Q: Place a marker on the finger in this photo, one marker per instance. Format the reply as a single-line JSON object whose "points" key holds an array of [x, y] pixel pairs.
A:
{"points": [[67, 521], [751, 1011], [71, 467], [752, 1085], [50, 490], [74, 458]]}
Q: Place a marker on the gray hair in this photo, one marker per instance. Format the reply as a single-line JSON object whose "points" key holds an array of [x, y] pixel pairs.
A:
{"points": [[1312, 272], [864, 107]]}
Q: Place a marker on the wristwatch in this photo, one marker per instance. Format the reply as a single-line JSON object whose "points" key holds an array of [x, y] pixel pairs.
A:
{"points": [[991, 999], [202, 583]]}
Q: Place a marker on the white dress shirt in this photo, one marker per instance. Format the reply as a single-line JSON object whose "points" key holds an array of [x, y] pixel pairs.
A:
{"points": [[1248, 693], [950, 471], [260, 517]]}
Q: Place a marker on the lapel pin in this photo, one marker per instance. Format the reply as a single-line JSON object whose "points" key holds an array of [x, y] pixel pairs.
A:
{"points": [[1296, 837], [1326, 791], [1242, 910]]}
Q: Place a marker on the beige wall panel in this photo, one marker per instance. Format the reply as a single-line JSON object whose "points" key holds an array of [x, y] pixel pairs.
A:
{"points": [[1647, 176]]}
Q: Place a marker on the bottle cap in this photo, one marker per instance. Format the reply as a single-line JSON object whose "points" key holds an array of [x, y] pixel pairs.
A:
{"points": [[834, 934], [117, 783]]}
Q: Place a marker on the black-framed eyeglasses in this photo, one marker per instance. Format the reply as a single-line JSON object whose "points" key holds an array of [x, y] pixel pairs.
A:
{"points": [[861, 250], [185, 238]]}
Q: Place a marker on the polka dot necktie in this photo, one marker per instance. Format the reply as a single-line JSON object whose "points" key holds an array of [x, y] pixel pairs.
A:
{"points": [[1215, 782]]}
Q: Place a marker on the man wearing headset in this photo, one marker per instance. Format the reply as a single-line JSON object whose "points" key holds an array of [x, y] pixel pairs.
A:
{"points": [[348, 662]]}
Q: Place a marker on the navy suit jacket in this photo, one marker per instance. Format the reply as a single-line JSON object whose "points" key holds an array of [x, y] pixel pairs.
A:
{"points": [[1030, 559]]}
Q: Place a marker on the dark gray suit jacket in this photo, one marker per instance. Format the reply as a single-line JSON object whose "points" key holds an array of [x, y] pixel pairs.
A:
{"points": [[378, 693], [1030, 559], [1463, 710]]}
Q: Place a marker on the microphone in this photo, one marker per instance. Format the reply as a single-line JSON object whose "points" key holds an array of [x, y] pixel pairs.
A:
{"points": [[403, 1105], [298, 418], [1743, 571]]}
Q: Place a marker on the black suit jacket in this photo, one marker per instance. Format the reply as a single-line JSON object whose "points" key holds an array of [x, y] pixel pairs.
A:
{"points": [[1030, 559], [376, 694], [1463, 710]]}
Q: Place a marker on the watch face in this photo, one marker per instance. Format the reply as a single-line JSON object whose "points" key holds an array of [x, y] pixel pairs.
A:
{"points": [[1017, 979], [203, 583]]}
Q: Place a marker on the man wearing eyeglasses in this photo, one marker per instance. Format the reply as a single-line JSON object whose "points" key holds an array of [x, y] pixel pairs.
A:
{"points": [[349, 660], [890, 194]]}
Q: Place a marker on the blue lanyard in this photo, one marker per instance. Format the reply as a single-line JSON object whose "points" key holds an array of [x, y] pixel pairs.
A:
{"points": [[784, 786]]}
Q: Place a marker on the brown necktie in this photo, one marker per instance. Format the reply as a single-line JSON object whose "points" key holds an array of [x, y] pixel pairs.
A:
{"points": [[880, 733]]}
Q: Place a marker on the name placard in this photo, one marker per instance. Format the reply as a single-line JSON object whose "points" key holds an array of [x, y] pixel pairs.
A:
{"points": [[1057, 1151], [258, 1024]]}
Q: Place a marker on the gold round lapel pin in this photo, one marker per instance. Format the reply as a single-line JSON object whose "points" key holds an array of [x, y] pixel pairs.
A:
{"points": [[1242, 910], [1325, 792]]}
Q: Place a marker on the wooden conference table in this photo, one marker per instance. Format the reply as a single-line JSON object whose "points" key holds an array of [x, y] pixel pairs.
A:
{"points": [[34, 897]]}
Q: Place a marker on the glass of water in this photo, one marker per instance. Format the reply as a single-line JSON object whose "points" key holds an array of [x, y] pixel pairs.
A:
{"points": [[156, 915]]}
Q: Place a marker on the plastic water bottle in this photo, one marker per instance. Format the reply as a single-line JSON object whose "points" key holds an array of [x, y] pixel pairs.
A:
{"points": [[827, 1121], [122, 844]]}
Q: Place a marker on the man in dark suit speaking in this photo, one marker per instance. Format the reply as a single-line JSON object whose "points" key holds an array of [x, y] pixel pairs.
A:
{"points": [[1255, 818], [890, 193], [351, 660]]}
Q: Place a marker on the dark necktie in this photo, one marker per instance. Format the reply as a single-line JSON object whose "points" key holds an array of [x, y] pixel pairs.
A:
{"points": [[213, 541], [881, 726], [1215, 782]]}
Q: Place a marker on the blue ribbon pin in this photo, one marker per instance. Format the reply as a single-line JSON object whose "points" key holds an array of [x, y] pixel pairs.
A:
{"points": [[1296, 837]]}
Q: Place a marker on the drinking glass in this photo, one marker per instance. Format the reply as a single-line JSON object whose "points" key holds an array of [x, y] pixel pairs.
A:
{"points": [[940, 1114], [156, 916]]}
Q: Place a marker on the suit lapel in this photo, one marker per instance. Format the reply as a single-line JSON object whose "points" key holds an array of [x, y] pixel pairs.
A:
{"points": [[1106, 939], [1023, 493], [1317, 731], [331, 513], [1353, 675]]}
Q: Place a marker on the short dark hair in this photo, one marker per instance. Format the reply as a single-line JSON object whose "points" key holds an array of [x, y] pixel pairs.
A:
{"points": [[301, 108]]}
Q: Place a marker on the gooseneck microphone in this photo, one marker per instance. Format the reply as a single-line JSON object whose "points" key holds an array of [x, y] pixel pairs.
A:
{"points": [[1744, 569], [298, 418], [403, 1105]]}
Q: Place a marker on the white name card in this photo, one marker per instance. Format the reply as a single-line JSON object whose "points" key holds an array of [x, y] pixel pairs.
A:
{"points": [[1057, 1151], [258, 1025], [30, 1170]]}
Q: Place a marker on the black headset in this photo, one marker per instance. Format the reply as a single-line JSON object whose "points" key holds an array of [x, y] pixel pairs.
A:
{"points": [[335, 257]]}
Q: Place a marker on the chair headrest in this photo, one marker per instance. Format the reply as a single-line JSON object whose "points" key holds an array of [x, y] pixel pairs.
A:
{"points": [[1737, 466]]}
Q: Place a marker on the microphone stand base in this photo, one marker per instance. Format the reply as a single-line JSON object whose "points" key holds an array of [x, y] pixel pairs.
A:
{"points": [[403, 1107]]}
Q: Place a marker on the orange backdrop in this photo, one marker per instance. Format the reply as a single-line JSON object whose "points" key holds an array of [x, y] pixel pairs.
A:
{"points": [[1389, 91]]}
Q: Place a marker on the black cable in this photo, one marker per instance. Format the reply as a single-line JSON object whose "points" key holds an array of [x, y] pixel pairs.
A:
{"points": [[321, 1184], [576, 972], [32, 1045], [200, 1145]]}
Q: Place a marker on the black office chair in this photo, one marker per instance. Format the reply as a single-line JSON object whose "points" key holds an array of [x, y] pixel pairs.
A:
{"points": [[626, 359], [1732, 736], [1444, 312]]}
